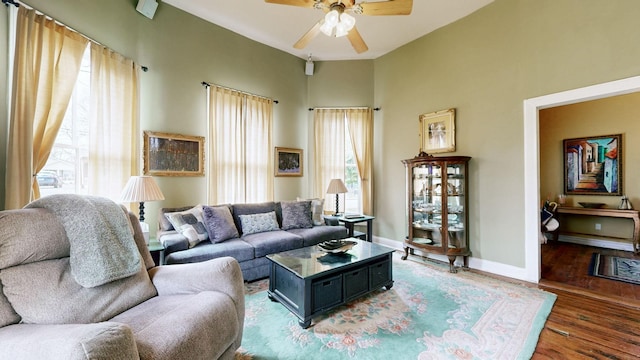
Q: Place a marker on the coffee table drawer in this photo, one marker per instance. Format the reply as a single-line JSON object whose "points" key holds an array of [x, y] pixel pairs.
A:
{"points": [[379, 274], [326, 293], [356, 283]]}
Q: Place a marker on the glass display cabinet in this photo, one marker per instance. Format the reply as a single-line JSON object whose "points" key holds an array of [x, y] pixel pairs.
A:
{"points": [[437, 203]]}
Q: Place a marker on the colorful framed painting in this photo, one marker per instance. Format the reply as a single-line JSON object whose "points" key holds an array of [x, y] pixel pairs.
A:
{"points": [[438, 132], [593, 165], [172, 154], [288, 162]]}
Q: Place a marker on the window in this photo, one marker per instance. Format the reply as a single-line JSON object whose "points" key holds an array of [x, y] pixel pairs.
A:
{"points": [[353, 201], [66, 170]]}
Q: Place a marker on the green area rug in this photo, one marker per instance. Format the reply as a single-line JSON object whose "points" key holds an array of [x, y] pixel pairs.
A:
{"points": [[615, 268], [429, 313]]}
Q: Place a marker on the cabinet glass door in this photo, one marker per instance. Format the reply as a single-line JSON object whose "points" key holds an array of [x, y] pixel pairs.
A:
{"points": [[456, 212], [427, 205]]}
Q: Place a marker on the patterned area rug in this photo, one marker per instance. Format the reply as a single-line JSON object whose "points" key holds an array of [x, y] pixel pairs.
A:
{"points": [[429, 313], [615, 268]]}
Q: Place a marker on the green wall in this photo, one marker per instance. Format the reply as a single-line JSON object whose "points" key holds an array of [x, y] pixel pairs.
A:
{"points": [[485, 66]]}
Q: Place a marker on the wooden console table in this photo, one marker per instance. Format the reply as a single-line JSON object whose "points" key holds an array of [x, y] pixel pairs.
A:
{"points": [[628, 214]]}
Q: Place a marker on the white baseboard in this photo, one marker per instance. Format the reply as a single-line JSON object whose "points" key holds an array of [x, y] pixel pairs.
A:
{"points": [[603, 243], [474, 263]]}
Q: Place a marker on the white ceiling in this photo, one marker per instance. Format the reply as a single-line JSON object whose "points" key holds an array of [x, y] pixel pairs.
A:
{"points": [[280, 26]]}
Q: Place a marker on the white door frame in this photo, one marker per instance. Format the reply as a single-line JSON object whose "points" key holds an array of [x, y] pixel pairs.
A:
{"points": [[532, 161]]}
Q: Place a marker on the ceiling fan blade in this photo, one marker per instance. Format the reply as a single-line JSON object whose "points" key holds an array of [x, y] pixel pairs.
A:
{"points": [[356, 41], [391, 7], [304, 40], [301, 3]]}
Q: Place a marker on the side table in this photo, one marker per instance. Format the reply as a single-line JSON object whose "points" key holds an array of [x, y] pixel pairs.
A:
{"points": [[349, 222], [157, 251]]}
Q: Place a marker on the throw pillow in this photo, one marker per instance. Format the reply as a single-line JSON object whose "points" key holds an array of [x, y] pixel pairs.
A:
{"points": [[190, 224], [317, 211], [296, 215], [256, 223], [219, 223]]}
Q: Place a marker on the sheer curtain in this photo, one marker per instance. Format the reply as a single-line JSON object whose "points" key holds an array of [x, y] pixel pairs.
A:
{"points": [[329, 126], [46, 65], [240, 147], [360, 125], [114, 135], [329, 151]]}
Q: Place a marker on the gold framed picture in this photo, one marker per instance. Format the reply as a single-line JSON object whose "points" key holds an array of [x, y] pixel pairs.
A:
{"points": [[288, 162], [438, 131], [167, 154]]}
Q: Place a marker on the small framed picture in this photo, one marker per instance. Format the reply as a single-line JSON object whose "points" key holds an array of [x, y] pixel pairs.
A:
{"points": [[172, 154], [438, 132], [593, 165], [288, 162]]}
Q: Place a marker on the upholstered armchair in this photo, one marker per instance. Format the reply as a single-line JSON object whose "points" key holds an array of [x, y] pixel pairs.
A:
{"points": [[55, 305]]}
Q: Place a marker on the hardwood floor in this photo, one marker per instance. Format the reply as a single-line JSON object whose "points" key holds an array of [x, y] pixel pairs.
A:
{"points": [[593, 318]]}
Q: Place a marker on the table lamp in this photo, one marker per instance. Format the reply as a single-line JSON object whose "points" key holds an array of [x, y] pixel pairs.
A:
{"points": [[141, 189], [336, 186]]}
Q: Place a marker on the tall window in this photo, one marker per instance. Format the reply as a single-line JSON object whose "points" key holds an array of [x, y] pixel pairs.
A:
{"points": [[66, 170], [353, 199], [73, 125], [343, 150], [240, 147]]}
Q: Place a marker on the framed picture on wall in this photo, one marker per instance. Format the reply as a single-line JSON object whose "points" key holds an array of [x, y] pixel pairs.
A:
{"points": [[438, 131], [288, 162], [172, 154], [593, 165]]}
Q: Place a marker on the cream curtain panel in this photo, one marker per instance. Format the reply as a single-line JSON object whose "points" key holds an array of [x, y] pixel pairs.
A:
{"points": [[360, 125], [329, 126], [329, 152], [46, 64], [114, 131], [240, 163]]}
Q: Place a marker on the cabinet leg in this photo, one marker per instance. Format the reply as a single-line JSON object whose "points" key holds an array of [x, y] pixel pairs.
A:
{"points": [[452, 268], [406, 253], [304, 324]]}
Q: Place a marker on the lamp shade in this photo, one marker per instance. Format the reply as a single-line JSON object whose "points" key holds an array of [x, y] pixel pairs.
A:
{"points": [[336, 186], [141, 189]]}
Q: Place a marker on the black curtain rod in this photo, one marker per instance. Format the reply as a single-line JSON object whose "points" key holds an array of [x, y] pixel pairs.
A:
{"points": [[206, 84], [374, 109], [11, 2]]}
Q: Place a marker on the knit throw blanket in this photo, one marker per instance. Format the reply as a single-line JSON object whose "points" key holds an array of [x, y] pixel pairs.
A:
{"points": [[102, 248]]}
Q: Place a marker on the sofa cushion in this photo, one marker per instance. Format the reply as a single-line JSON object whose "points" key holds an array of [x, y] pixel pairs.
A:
{"points": [[257, 223], [35, 289], [247, 209], [318, 234], [273, 242], [219, 223], [190, 224], [296, 215], [212, 326], [317, 211], [235, 248], [163, 223]]}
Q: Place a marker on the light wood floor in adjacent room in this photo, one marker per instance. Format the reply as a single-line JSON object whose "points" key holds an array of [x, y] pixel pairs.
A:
{"points": [[593, 318]]}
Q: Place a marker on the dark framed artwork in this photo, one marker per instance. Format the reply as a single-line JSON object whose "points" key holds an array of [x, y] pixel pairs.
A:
{"points": [[593, 165], [173, 154], [288, 162]]}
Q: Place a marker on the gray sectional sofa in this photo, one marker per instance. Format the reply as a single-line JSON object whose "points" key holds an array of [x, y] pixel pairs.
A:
{"points": [[297, 224]]}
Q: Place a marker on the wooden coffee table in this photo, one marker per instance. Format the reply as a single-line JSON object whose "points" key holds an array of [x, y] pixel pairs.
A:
{"points": [[309, 281]]}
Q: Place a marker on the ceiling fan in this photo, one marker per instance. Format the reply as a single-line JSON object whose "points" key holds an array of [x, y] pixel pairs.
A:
{"points": [[337, 21]]}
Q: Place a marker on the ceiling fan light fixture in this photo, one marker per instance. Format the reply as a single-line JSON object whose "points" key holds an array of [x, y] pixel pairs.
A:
{"points": [[348, 20], [332, 18], [326, 28]]}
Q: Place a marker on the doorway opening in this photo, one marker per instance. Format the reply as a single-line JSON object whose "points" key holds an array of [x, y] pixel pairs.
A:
{"points": [[532, 194]]}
